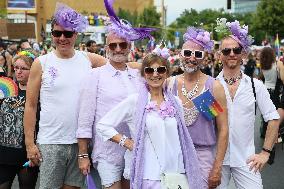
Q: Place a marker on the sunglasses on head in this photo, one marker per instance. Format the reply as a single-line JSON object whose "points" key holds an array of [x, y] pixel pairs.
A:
{"points": [[227, 51], [122, 45], [159, 70], [57, 33], [187, 53]]}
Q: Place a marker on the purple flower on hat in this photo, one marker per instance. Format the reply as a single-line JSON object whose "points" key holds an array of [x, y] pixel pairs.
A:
{"points": [[164, 52], [69, 18], [200, 37], [234, 30]]}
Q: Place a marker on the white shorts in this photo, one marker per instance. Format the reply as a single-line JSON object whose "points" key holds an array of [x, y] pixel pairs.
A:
{"points": [[109, 173], [242, 176]]}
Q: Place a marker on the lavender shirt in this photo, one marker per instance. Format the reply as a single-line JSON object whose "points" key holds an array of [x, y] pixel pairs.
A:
{"points": [[101, 91]]}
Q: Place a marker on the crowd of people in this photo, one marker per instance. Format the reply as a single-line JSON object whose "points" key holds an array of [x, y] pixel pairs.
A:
{"points": [[132, 119]]}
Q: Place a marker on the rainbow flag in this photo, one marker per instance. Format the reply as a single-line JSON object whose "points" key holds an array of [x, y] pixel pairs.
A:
{"points": [[207, 105], [277, 45]]}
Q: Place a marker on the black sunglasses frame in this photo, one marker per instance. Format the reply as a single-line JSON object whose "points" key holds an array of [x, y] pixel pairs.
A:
{"points": [[122, 46], [227, 51], [192, 53], [159, 70], [67, 34]]}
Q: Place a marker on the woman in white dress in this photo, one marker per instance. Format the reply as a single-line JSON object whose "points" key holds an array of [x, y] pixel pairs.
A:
{"points": [[160, 142]]}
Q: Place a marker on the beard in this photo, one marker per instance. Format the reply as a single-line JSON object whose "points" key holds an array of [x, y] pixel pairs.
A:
{"points": [[185, 68], [118, 57]]}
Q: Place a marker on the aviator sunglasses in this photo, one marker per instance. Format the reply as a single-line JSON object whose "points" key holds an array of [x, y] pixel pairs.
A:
{"points": [[159, 70], [122, 45], [57, 33], [187, 53], [227, 51]]}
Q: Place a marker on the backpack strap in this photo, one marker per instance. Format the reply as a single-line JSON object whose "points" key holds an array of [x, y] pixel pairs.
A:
{"points": [[254, 94]]}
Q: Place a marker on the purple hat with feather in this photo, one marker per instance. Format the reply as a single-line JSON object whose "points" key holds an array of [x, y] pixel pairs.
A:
{"points": [[235, 31], [200, 37], [123, 28], [69, 18]]}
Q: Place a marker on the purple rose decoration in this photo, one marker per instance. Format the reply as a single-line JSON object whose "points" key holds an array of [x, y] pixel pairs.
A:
{"points": [[199, 36], [166, 109]]}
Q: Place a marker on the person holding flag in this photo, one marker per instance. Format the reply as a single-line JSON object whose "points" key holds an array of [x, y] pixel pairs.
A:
{"points": [[203, 99], [243, 93]]}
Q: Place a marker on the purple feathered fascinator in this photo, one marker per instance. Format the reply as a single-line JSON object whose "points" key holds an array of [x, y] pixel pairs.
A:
{"points": [[69, 18], [123, 28], [234, 30], [199, 36]]}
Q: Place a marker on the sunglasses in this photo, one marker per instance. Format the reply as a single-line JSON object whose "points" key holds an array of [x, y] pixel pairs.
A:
{"points": [[122, 45], [227, 51], [159, 70], [187, 53], [57, 33], [17, 68]]}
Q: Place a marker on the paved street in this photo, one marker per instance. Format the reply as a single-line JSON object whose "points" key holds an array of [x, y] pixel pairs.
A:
{"points": [[272, 174]]}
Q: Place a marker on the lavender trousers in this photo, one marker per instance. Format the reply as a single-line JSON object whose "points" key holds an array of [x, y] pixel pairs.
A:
{"points": [[206, 157]]}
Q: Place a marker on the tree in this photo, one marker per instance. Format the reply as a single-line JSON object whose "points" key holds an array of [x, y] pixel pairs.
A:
{"points": [[151, 18], [269, 17]]}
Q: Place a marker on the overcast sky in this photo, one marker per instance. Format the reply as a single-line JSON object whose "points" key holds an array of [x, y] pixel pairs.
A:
{"points": [[176, 7]]}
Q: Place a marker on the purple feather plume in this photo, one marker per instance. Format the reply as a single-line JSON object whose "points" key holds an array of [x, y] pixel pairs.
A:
{"points": [[123, 28]]}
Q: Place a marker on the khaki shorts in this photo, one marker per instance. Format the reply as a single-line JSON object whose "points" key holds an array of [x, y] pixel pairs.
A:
{"points": [[60, 166]]}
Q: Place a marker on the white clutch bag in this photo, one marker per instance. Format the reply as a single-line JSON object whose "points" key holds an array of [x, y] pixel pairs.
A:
{"points": [[174, 181]]}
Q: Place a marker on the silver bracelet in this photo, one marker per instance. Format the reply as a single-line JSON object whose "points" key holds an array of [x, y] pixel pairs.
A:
{"points": [[122, 140], [80, 156]]}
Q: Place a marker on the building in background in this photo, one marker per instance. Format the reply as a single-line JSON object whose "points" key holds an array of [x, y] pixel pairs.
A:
{"points": [[243, 6], [39, 12]]}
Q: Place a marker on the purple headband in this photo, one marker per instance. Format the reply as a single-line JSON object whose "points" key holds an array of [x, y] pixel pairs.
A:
{"points": [[199, 36], [123, 28], [235, 31], [69, 18]]}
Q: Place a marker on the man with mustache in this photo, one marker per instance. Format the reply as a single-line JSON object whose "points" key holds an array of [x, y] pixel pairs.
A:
{"points": [[101, 91], [243, 93], [209, 137]]}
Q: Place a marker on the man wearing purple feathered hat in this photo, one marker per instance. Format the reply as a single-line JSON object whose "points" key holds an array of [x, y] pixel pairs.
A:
{"points": [[243, 94], [55, 78], [104, 89], [209, 136]]}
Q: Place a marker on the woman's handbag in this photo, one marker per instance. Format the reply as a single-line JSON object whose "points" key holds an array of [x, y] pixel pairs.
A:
{"points": [[174, 181]]}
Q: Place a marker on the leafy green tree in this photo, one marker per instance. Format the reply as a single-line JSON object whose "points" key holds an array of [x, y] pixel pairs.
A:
{"points": [[151, 18], [269, 17]]}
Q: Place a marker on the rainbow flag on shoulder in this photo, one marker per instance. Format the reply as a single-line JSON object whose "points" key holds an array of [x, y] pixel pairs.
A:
{"points": [[207, 105]]}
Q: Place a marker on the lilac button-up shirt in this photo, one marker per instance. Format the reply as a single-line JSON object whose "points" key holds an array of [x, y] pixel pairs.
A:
{"points": [[101, 91]]}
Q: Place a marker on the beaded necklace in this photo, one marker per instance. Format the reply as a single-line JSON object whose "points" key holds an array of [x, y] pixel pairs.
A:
{"points": [[189, 94], [232, 80]]}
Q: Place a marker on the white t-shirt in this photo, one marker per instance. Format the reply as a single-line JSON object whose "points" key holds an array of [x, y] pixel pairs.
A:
{"points": [[59, 96]]}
